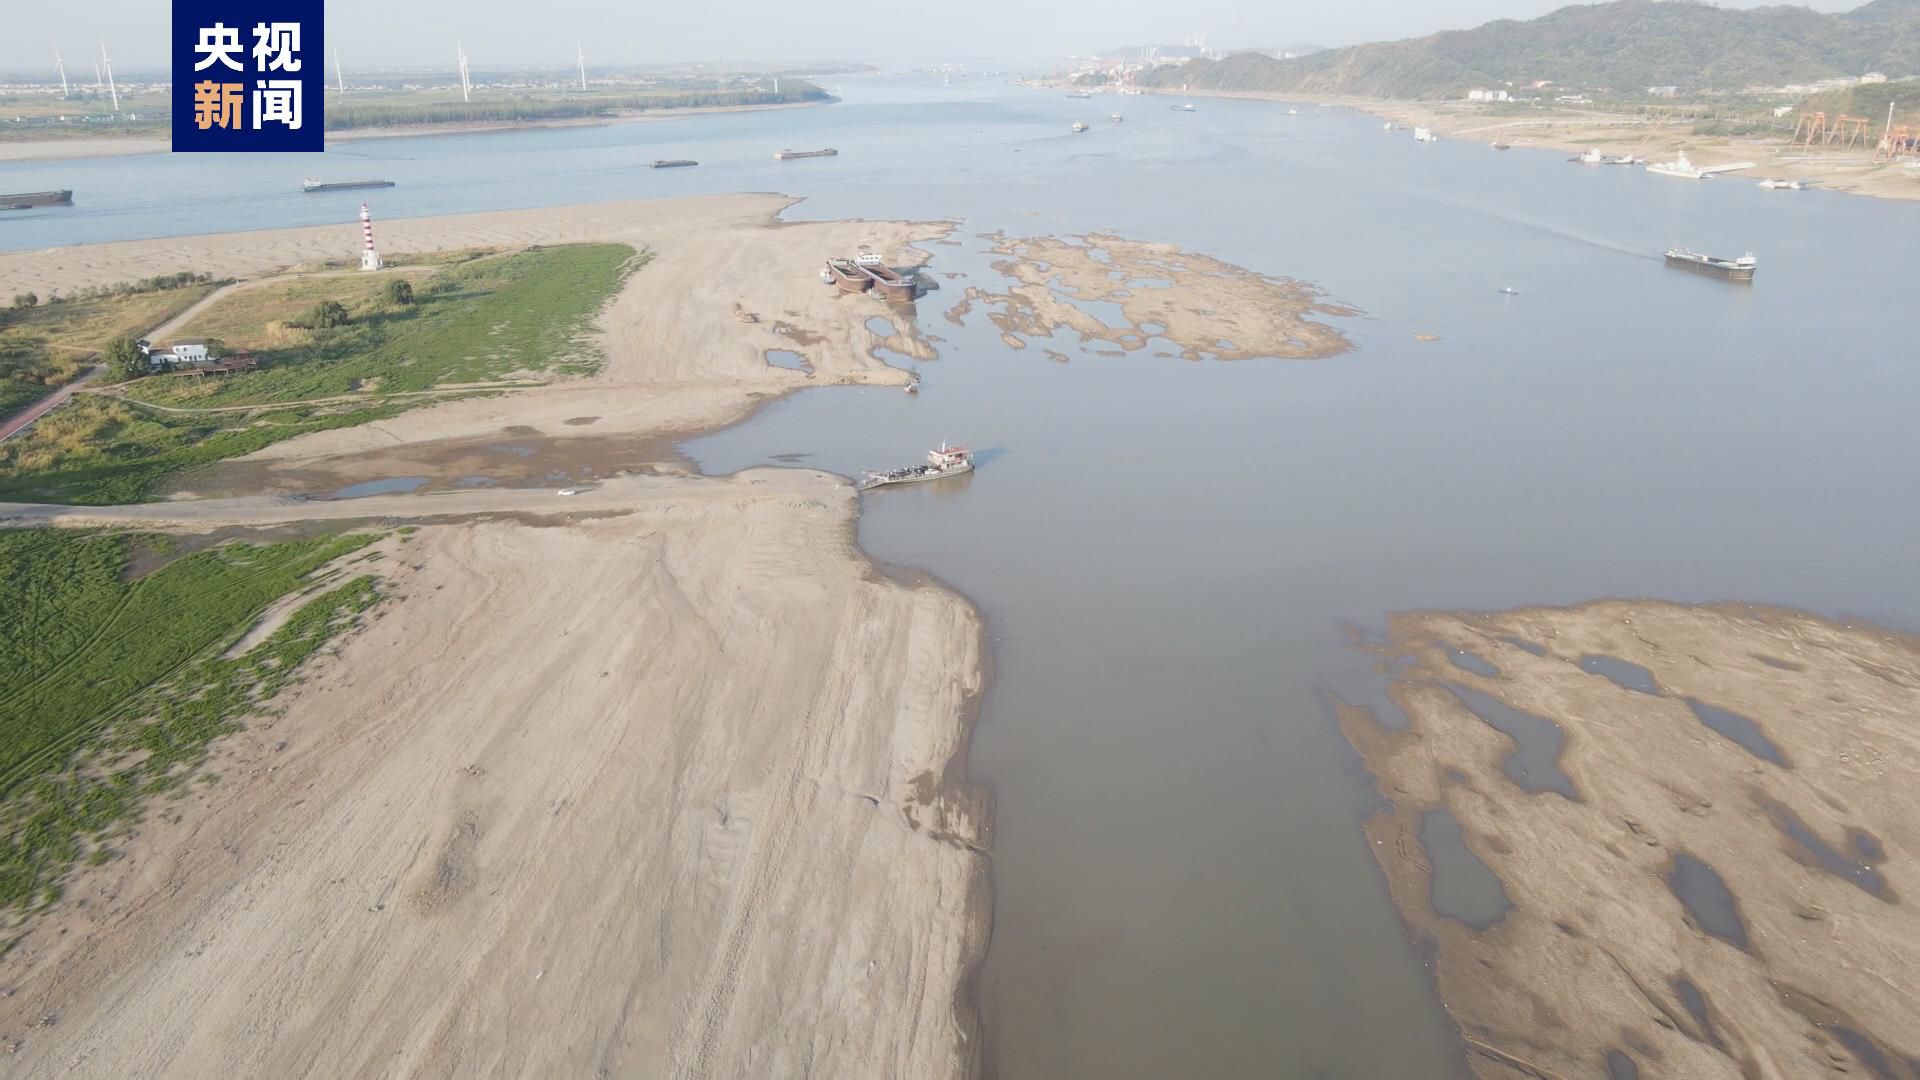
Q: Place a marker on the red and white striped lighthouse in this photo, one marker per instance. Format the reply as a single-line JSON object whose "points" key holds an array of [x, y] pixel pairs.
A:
{"points": [[369, 258]]}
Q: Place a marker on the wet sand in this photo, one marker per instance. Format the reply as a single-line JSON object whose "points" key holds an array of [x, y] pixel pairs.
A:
{"points": [[1688, 834], [1203, 307], [663, 778]]}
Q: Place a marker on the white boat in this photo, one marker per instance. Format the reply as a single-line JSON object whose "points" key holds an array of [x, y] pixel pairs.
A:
{"points": [[942, 462], [1188, 107], [826, 277], [1079, 127], [1509, 291], [1425, 135], [1591, 157], [1388, 126], [1784, 185], [1679, 166], [1623, 159], [1293, 112]]}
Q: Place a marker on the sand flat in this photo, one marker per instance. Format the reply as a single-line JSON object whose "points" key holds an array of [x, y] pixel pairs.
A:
{"points": [[634, 794], [1724, 899]]}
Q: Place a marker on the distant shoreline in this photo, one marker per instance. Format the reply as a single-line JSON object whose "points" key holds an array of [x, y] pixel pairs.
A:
{"points": [[129, 146], [1610, 133]]}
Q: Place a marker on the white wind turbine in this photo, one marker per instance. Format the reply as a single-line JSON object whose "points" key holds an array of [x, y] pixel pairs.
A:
{"points": [[466, 87], [107, 62], [339, 80], [581, 54], [62, 65]]}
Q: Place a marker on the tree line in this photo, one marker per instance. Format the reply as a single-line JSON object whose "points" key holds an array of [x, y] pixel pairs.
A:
{"points": [[519, 110]]}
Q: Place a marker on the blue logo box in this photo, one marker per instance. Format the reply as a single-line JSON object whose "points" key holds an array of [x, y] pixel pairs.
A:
{"points": [[248, 77]]}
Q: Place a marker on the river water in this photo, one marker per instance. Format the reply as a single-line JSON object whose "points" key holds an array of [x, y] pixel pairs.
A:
{"points": [[1168, 553]]}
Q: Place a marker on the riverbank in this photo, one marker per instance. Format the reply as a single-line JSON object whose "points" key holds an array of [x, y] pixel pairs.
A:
{"points": [[1641, 835], [663, 778], [1574, 132], [61, 149]]}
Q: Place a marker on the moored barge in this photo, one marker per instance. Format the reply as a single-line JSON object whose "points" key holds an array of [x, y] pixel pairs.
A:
{"points": [[671, 163], [27, 200], [794, 155], [886, 280], [849, 277], [942, 462]]}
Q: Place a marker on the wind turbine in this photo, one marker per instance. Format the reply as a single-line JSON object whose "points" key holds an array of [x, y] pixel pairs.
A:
{"points": [[339, 80], [466, 87], [62, 65], [107, 62], [581, 54]]}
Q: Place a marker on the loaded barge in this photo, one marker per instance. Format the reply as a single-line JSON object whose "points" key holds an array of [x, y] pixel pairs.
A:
{"points": [[311, 186], [792, 155], [942, 462], [1740, 269], [671, 163], [27, 200]]}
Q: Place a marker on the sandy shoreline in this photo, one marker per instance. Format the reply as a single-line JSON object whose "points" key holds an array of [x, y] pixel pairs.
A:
{"points": [[1573, 132], [661, 779]]}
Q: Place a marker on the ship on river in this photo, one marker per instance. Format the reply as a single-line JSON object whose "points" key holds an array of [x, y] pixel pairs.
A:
{"points": [[672, 163], [27, 200], [1740, 269], [311, 186], [793, 155], [942, 462]]}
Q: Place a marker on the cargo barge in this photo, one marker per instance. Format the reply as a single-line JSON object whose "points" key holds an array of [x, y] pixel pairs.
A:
{"points": [[941, 463], [1740, 269], [794, 155], [886, 281], [849, 277], [311, 186], [27, 200], [671, 163]]}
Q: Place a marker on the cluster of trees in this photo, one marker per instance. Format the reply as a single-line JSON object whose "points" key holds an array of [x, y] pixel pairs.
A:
{"points": [[518, 110], [157, 283]]}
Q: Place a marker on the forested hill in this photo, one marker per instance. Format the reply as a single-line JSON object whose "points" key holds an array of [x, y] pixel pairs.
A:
{"points": [[1624, 45]]}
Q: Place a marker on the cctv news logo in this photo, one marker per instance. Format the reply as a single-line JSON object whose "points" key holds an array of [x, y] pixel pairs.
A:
{"points": [[248, 76]]}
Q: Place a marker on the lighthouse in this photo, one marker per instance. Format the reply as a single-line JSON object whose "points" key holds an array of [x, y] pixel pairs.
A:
{"points": [[369, 258]]}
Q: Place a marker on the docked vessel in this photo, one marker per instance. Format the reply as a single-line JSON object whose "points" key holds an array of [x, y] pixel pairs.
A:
{"points": [[884, 279], [942, 462], [1784, 185], [311, 186], [27, 200], [671, 163], [793, 155], [1740, 269], [848, 276], [1591, 157], [1079, 126], [1498, 145], [1679, 166], [1425, 135]]}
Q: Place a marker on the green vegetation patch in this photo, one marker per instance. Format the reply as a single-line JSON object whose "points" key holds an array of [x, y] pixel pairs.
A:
{"points": [[47, 341], [524, 108], [96, 451], [113, 688], [478, 321]]}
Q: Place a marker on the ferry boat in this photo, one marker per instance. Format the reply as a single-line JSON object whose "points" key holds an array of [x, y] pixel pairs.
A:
{"points": [[1679, 166], [1079, 126], [795, 155], [942, 462], [1740, 269], [311, 186]]}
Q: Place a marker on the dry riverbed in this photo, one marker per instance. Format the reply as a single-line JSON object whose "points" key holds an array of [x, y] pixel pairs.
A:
{"points": [[1652, 839], [660, 779]]}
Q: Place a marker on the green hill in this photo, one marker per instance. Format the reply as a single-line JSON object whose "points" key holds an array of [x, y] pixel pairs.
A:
{"points": [[1626, 45]]}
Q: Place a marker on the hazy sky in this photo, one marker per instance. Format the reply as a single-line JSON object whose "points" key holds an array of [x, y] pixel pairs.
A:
{"points": [[422, 32]]}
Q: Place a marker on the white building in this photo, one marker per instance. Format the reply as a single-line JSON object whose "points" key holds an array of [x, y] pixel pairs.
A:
{"points": [[1488, 95]]}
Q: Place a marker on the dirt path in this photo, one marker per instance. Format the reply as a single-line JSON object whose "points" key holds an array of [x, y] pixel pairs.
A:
{"points": [[22, 420]]}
